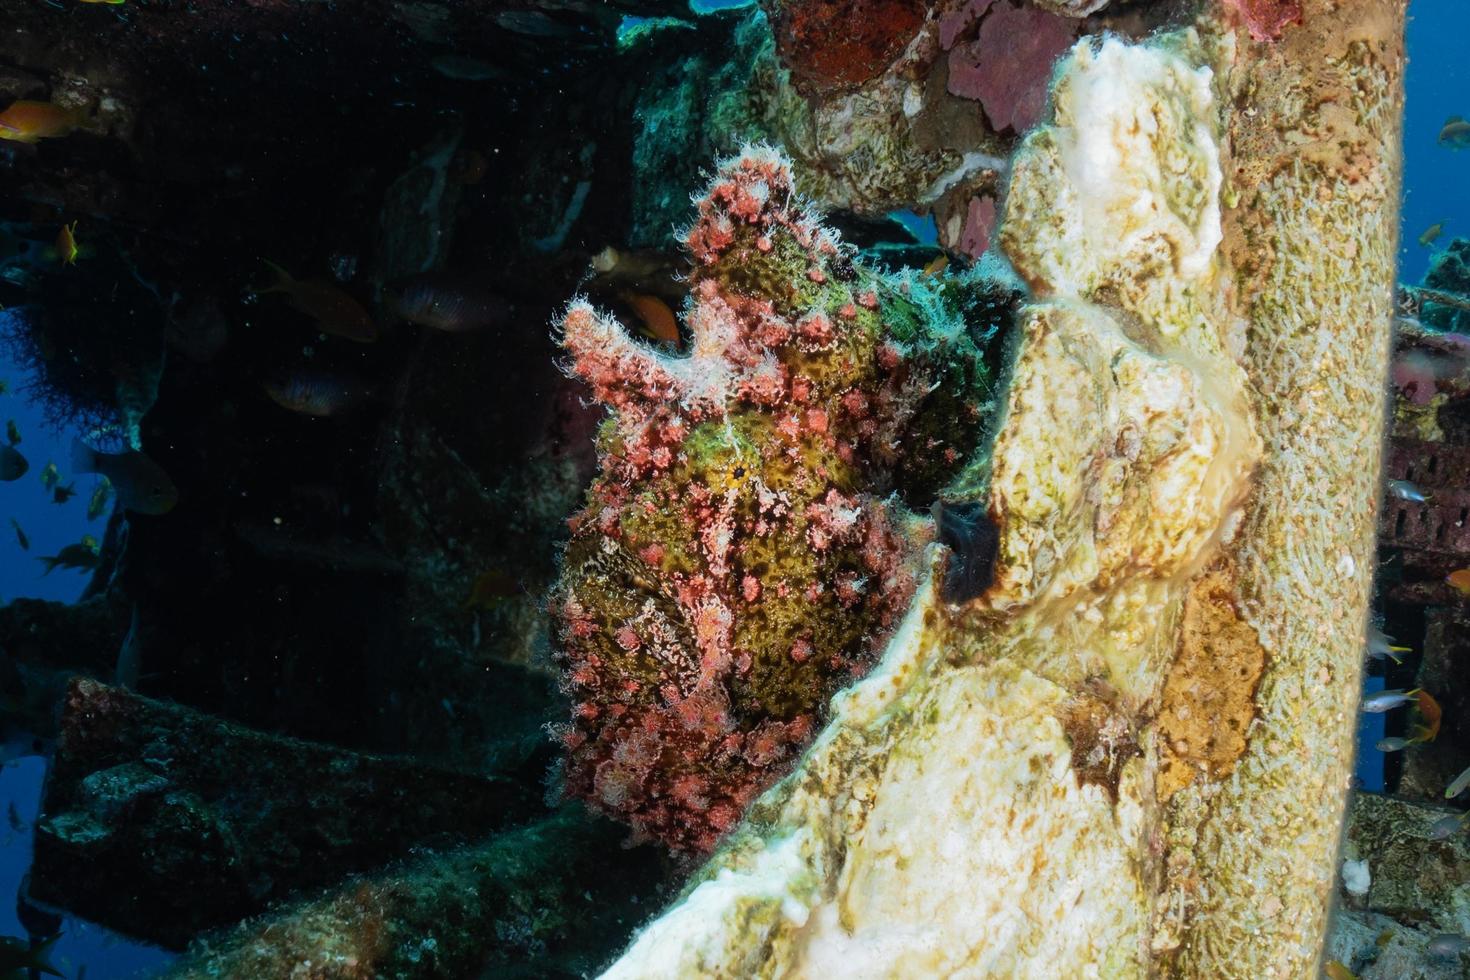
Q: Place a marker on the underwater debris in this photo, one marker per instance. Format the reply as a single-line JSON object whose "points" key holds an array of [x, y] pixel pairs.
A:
{"points": [[543, 900], [734, 562], [153, 821]]}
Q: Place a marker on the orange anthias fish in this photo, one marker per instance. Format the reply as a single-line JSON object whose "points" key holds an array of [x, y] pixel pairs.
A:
{"points": [[654, 314], [27, 121], [1428, 714], [1460, 580], [335, 312], [66, 244]]}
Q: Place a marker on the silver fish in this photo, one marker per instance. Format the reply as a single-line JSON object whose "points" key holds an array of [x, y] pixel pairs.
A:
{"points": [[1393, 744], [1404, 490], [1457, 787], [1446, 827], [1388, 700]]}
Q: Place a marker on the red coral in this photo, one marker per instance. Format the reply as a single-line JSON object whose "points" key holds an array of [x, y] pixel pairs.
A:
{"points": [[830, 45], [1008, 66], [1266, 19]]}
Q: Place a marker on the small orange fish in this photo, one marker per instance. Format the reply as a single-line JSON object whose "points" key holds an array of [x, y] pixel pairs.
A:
{"points": [[1460, 580], [1429, 714], [657, 319], [27, 121], [66, 244], [334, 311]]}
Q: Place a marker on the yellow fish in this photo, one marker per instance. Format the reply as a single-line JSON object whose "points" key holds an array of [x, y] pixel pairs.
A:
{"points": [[1334, 970], [937, 265], [1431, 233], [66, 244], [27, 121]]}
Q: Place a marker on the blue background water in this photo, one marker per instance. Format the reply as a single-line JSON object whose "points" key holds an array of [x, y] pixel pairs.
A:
{"points": [[1437, 189], [1436, 178]]}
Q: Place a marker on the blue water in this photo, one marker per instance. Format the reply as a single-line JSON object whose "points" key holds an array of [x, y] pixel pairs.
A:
{"points": [[49, 526], [1436, 178]]}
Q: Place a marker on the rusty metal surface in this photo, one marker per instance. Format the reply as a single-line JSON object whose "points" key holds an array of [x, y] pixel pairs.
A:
{"points": [[1440, 525]]}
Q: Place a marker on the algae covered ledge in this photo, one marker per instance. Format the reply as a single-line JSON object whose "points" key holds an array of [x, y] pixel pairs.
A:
{"points": [[1129, 755]]}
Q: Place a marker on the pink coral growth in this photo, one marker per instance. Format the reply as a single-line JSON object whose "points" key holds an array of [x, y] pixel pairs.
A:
{"points": [[695, 674], [1008, 66], [1266, 19]]}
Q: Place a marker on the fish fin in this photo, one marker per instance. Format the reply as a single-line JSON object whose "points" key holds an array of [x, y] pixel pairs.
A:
{"points": [[40, 957], [283, 282], [50, 563], [83, 457]]}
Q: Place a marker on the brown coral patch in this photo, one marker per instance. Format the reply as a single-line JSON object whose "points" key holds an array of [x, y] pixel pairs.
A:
{"points": [[830, 45], [1209, 695], [1102, 741]]}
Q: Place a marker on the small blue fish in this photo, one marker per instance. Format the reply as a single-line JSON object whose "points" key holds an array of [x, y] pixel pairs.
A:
{"points": [[1388, 700], [1404, 490]]}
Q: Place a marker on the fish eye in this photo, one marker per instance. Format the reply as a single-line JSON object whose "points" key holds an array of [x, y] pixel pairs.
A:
{"points": [[739, 473]]}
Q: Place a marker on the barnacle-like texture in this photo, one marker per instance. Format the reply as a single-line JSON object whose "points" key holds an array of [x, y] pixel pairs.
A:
{"points": [[740, 556]]}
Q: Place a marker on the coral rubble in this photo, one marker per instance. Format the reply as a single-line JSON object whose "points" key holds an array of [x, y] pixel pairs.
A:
{"points": [[745, 548]]}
